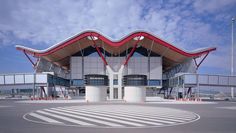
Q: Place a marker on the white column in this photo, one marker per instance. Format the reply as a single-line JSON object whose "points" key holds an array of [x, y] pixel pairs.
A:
{"points": [[111, 85], [135, 93], [120, 75], [95, 93]]}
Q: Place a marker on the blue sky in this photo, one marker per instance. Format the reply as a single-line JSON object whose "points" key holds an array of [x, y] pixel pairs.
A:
{"points": [[188, 24]]}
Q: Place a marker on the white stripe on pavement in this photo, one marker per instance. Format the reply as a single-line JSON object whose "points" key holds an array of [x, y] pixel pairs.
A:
{"points": [[95, 115], [113, 116], [148, 114], [126, 116], [85, 118], [146, 111], [138, 116], [66, 118], [134, 124], [44, 118]]}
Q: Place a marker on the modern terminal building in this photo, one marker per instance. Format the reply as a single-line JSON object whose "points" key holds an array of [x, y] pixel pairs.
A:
{"points": [[125, 69]]}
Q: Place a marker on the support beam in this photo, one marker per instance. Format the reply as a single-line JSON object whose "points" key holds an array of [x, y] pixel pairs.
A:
{"points": [[31, 61], [43, 90], [189, 91], [150, 50], [132, 51], [170, 92], [99, 52], [104, 53], [82, 54], [198, 64], [50, 68]]}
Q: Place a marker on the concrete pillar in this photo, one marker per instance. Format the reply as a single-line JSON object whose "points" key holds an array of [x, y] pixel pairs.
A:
{"points": [[135, 93], [111, 85], [120, 76], [96, 87], [135, 88], [95, 93]]}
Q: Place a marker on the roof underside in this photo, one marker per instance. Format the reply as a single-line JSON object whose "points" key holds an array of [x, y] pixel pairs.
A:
{"points": [[60, 53]]}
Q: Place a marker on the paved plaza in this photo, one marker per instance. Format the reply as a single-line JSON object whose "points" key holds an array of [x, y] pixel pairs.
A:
{"points": [[118, 117]]}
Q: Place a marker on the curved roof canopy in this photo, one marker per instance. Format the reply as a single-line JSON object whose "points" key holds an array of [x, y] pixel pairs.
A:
{"points": [[60, 53]]}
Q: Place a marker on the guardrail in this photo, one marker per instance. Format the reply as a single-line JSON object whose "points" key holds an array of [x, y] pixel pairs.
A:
{"points": [[12, 79], [191, 80], [27, 78]]}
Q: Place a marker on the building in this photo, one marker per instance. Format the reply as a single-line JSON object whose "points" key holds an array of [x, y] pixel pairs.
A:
{"points": [[139, 53]]}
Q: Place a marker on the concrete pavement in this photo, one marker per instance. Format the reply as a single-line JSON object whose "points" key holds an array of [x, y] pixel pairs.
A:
{"points": [[217, 118]]}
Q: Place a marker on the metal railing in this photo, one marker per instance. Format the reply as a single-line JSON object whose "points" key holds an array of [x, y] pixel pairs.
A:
{"points": [[23, 78], [27, 78], [192, 79]]}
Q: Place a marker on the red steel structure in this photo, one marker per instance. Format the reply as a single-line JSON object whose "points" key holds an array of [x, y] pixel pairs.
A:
{"points": [[60, 53]]}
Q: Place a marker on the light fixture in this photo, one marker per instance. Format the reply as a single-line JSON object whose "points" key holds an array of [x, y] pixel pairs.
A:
{"points": [[92, 38], [138, 38]]}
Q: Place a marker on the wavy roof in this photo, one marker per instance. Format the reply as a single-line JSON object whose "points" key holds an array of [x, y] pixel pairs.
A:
{"points": [[60, 52]]}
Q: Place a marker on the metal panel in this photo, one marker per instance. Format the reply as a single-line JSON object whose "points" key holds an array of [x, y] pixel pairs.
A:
{"points": [[41, 78], [9, 79], [190, 79], [115, 62], [203, 79], [213, 79], [29, 78], [93, 65], [223, 80], [155, 68], [19, 79], [138, 65], [76, 67], [232, 81], [1, 79]]}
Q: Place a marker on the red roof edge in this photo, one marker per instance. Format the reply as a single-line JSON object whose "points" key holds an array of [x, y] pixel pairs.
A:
{"points": [[113, 43]]}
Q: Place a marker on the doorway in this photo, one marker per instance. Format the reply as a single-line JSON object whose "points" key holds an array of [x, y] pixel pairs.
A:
{"points": [[115, 94]]}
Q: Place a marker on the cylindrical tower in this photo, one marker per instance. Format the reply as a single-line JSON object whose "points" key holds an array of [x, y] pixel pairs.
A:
{"points": [[135, 88], [96, 87]]}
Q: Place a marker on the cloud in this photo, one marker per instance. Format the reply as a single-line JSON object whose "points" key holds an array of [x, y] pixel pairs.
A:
{"points": [[42, 23], [211, 6], [47, 22]]}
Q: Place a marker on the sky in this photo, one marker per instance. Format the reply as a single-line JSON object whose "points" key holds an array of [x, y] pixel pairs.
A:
{"points": [[187, 24]]}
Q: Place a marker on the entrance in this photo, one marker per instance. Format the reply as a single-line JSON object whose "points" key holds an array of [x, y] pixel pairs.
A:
{"points": [[115, 94]]}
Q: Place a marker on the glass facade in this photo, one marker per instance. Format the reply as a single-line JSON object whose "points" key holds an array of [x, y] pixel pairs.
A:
{"points": [[77, 82], [135, 80], [139, 65], [154, 82], [97, 80], [54, 80], [115, 81], [188, 79]]}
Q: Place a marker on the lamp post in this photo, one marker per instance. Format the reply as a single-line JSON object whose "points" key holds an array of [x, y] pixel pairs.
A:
{"points": [[232, 56]]}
